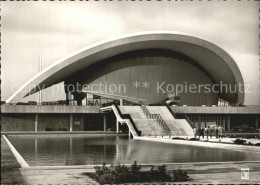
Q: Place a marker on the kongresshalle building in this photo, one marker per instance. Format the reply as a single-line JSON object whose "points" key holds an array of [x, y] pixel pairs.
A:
{"points": [[151, 83]]}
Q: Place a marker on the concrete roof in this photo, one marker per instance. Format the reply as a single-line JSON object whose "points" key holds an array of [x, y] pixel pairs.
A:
{"points": [[218, 63]]}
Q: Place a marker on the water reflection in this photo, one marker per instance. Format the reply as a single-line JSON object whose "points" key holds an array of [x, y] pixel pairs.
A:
{"points": [[38, 151]]}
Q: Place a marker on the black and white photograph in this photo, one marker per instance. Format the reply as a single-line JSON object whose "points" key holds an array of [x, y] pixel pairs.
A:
{"points": [[130, 92]]}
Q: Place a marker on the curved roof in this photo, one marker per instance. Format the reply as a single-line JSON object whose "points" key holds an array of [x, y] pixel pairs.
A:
{"points": [[212, 58]]}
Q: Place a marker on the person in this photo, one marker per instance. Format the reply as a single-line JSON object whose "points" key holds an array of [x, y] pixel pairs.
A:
{"points": [[206, 131], [209, 133], [220, 131], [201, 132], [216, 131]]}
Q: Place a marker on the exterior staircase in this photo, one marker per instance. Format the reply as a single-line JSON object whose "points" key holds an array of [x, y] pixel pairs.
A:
{"points": [[164, 127], [151, 121]]}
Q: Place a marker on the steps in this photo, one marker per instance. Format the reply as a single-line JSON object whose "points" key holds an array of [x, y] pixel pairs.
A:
{"points": [[148, 127], [152, 121], [178, 127]]}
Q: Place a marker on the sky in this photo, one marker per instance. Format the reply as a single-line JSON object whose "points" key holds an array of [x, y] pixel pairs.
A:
{"points": [[57, 29]]}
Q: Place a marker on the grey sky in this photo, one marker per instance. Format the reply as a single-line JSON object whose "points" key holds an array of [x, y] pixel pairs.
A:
{"points": [[60, 28]]}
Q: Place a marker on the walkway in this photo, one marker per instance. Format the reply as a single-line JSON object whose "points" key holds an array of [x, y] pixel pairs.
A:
{"points": [[10, 169], [207, 173]]}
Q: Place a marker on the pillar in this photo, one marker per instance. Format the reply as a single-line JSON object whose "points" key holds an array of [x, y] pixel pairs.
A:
{"points": [[87, 99], [71, 122], [117, 126], [228, 123], [121, 102], [256, 122], [105, 122], [36, 122]]}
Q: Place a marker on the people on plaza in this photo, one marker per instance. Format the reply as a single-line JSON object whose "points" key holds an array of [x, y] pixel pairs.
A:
{"points": [[209, 133], [220, 131], [216, 130], [201, 132], [206, 131]]}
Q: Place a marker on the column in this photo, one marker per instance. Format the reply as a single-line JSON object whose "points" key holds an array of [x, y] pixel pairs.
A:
{"points": [[105, 122], [256, 122], [117, 126], [36, 123], [228, 123], [121, 102], [129, 132], [71, 122]]}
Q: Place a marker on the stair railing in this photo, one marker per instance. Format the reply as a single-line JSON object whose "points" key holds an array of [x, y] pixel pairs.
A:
{"points": [[158, 118], [189, 121], [127, 116], [178, 117]]}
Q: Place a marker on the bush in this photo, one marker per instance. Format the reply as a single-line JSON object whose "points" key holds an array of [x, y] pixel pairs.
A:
{"points": [[194, 139], [240, 141], [179, 176], [122, 174], [178, 138]]}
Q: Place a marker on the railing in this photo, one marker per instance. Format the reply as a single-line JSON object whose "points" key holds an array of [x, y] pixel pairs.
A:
{"points": [[169, 108], [189, 121], [184, 117], [158, 118], [127, 116]]}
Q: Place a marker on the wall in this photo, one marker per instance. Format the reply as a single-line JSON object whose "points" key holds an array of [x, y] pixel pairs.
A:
{"points": [[53, 122], [216, 110], [6, 108], [17, 122], [56, 122], [153, 66]]}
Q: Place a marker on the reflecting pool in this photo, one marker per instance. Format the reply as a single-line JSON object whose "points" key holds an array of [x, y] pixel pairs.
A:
{"points": [[70, 150]]}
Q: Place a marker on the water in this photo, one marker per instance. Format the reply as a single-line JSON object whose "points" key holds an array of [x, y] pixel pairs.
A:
{"points": [[62, 151]]}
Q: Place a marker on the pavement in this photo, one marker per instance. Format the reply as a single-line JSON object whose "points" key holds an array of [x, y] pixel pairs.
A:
{"points": [[10, 168], [200, 173], [229, 140]]}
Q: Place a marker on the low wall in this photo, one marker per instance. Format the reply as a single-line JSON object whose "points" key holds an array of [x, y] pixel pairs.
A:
{"points": [[56, 122], [216, 110], [55, 109], [21, 122], [26, 122]]}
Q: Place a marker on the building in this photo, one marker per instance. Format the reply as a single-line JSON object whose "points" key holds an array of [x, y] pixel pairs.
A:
{"points": [[200, 81]]}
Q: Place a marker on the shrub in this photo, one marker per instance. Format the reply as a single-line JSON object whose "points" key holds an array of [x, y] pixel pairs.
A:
{"points": [[240, 141], [178, 138], [194, 139], [179, 176], [122, 174]]}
